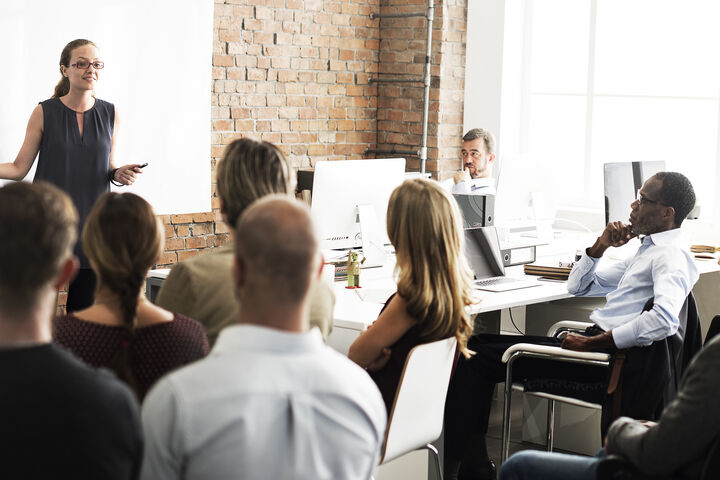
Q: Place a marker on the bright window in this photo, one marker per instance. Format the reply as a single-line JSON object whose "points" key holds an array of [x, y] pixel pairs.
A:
{"points": [[607, 81]]}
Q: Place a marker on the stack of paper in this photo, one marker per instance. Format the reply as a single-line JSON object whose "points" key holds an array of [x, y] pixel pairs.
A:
{"points": [[555, 271]]}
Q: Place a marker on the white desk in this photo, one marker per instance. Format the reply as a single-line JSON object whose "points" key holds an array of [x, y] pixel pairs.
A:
{"points": [[352, 315]]}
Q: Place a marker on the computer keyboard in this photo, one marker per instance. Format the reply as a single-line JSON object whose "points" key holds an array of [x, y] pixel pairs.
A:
{"points": [[494, 281]]}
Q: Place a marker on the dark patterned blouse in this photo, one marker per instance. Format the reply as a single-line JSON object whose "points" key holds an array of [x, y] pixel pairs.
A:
{"points": [[156, 349]]}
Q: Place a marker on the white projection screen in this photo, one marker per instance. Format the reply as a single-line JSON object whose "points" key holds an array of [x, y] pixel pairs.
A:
{"points": [[158, 73]]}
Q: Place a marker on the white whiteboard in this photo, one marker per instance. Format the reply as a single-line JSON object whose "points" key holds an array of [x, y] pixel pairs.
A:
{"points": [[158, 73]]}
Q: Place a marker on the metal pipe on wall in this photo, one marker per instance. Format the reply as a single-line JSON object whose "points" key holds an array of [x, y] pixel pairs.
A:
{"points": [[426, 107], [429, 16]]}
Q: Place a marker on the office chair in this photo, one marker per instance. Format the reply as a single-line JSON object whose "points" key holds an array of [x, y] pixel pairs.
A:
{"points": [[530, 350], [416, 418], [674, 352], [713, 330]]}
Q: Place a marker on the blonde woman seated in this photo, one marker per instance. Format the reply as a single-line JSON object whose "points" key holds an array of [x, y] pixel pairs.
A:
{"points": [[122, 330], [434, 284]]}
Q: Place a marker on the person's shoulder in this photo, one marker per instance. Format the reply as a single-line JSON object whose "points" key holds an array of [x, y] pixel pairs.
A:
{"points": [[95, 385], [207, 262], [342, 371], [187, 326], [100, 103]]}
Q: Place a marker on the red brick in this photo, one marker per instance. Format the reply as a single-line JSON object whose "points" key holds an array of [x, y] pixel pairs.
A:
{"points": [[167, 258], [185, 254]]}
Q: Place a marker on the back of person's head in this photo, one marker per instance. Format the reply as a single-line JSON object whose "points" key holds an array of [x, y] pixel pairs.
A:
{"points": [[488, 138], [275, 244], [677, 192], [425, 227], [122, 240], [38, 228], [250, 170]]}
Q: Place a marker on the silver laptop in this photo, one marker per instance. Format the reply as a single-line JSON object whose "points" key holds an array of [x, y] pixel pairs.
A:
{"points": [[482, 250]]}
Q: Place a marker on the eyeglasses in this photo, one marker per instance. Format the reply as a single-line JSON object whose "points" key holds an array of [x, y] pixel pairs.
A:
{"points": [[643, 200], [84, 64], [473, 153]]}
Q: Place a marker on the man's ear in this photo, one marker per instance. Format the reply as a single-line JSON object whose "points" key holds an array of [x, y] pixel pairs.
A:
{"points": [[322, 266], [669, 214], [492, 158], [67, 273], [239, 272], [223, 212]]}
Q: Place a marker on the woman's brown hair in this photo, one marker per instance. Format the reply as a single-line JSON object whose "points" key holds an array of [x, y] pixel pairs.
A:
{"points": [[63, 86], [122, 240], [433, 276]]}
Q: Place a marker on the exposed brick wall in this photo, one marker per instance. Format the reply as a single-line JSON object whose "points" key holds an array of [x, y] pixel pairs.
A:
{"points": [[297, 73], [292, 72], [402, 55]]}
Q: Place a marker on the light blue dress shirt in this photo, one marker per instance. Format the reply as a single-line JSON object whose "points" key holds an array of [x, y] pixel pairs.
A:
{"points": [[661, 268], [476, 186], [265, 404]]}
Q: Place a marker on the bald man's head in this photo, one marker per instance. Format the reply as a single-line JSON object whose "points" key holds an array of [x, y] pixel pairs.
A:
{"points": [[276, 250]]}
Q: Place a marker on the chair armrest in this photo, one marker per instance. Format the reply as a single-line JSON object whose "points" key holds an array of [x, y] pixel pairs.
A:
{"points": [[556, 352], [568, 325]]}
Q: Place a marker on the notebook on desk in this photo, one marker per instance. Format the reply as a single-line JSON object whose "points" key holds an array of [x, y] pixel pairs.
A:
{"points": [[482, 249]]}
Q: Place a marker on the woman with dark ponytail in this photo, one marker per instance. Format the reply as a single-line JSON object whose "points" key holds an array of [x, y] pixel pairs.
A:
{"points": [[122, 330], [74, 133]]}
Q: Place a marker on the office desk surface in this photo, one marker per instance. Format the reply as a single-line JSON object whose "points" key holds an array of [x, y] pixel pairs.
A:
{"points": [[351, 311]]}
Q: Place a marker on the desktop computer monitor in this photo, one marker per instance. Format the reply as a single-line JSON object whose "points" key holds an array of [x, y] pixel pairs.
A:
{"points": [[346, 193], [622, 181]]}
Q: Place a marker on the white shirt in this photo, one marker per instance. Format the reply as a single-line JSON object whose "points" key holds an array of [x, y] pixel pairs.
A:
{"points": [[476, 186], [265, 404], [661, 268]]}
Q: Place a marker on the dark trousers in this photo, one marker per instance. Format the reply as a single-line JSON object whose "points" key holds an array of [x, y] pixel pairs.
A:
{"points": [[81, 292], [469, 399]]}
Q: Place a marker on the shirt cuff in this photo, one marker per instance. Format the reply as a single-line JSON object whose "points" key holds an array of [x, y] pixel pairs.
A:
{"points": [[462, 187], [624, 336]]}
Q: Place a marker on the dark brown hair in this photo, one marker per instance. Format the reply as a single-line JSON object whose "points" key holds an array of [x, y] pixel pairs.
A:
{"points": [[38, 228], [122, 240], [63, 86]]}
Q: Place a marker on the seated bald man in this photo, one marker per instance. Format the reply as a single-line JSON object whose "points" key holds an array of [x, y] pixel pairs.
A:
{"points": [[271, 400]]}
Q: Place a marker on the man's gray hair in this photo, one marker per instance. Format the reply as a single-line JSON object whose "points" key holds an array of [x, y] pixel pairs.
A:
{"points": [[476, 133]]}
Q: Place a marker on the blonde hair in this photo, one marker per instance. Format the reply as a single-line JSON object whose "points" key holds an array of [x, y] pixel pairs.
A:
{"points": [[122, 240], [433, 275], [250, 170]]}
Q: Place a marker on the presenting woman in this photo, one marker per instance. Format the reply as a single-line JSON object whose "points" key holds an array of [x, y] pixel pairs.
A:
{"points": [[74, 133]]}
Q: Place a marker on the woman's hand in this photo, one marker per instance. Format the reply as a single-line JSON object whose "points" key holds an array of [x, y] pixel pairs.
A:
{"points": [[381, 361], [126, 174]]}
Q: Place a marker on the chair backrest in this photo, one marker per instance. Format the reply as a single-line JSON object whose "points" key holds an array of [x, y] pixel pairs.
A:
{"points": [[416, 418], [713, 330]]}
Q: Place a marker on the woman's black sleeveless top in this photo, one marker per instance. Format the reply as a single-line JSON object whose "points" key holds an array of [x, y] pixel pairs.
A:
{"points": [[77, 164]]}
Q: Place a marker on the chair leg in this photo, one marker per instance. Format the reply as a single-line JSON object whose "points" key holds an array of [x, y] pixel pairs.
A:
{"points": [[434, 453], [550, 424], [505, 439]]}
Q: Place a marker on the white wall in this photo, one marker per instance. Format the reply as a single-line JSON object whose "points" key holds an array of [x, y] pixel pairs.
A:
{"points": [[158, 68]]}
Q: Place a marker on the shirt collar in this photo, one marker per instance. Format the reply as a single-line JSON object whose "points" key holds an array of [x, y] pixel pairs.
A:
{"points": [[264, 339], [668, 237]]}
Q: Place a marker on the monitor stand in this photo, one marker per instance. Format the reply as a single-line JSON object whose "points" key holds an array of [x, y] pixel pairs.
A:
{"points": [[372, 240]]}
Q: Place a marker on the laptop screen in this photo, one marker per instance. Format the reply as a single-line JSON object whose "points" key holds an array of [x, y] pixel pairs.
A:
{"points": [[482, 250]]}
